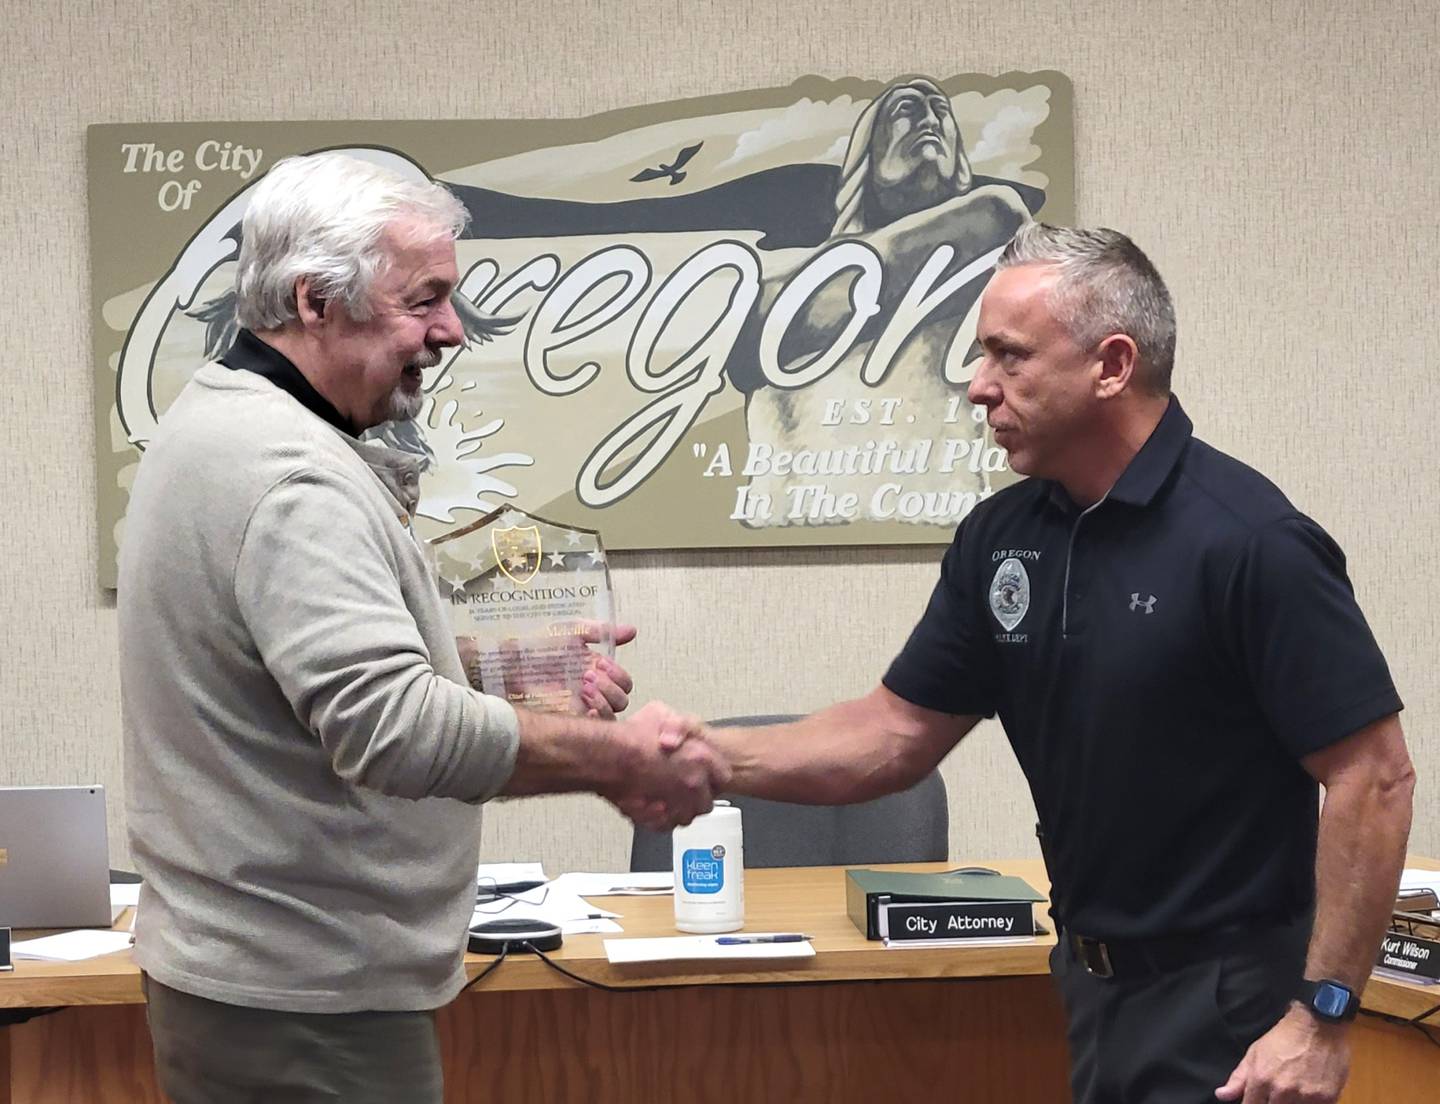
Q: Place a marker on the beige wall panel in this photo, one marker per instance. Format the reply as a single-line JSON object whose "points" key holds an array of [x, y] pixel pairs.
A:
{"points": [[1277, 159]]}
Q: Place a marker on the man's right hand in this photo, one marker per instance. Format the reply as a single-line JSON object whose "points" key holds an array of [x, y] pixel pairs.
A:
{"points": [[677, 772]]}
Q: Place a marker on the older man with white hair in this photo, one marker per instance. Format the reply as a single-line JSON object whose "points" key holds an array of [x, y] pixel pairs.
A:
{"points": [[304, 757]]}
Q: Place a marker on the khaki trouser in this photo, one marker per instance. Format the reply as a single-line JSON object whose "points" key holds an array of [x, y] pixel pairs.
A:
{"points": [[212, 1053]]}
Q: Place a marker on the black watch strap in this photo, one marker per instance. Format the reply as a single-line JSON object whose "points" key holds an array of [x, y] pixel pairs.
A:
{"points": [[1329, 1000]]}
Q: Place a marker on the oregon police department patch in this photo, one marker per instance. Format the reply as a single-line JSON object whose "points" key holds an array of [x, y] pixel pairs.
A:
{"points": [[1010, 593]]}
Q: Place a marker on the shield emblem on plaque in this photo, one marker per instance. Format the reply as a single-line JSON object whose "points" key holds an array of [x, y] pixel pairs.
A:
{"points": [[529, 644], [517, 551]]}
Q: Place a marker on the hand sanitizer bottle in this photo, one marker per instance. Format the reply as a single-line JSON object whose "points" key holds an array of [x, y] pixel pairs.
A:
{"points": [[709, 862]]}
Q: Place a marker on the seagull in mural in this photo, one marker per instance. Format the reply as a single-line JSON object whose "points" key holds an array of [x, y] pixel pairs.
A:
{"points": [[672, 171]]}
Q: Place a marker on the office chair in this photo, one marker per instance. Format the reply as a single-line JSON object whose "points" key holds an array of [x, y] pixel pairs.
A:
{"points": [[910, 826]]}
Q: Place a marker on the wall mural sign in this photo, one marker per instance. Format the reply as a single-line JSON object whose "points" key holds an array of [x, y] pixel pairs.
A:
{"points": [[744, 320]]}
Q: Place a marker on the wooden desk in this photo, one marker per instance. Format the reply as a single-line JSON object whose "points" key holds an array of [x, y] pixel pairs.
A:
{"points": [[855, 1021]]}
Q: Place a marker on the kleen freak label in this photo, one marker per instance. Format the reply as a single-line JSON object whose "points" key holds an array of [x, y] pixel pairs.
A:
{"points": [[703, 870]]}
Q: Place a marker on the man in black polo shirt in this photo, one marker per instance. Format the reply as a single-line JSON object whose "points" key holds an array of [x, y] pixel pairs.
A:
{"points": [[1177, 658]]}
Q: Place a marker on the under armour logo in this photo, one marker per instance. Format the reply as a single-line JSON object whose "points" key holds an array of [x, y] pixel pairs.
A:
{"points": [[1148, 605]]}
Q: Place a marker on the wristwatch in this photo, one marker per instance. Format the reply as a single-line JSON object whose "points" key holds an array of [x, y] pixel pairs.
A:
{"points": [[1328, 1000]]}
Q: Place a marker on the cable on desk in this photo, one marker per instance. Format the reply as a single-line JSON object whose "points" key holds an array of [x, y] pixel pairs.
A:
{"points": [[525, 945], [596, 984], [1417, 1022], [504, 950]]}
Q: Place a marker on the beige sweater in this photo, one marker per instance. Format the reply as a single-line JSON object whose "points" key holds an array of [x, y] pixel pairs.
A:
{"points": [[302, 755]]}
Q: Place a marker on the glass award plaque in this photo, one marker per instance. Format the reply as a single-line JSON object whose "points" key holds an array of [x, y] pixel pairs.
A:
{"points": [[528, 598]]}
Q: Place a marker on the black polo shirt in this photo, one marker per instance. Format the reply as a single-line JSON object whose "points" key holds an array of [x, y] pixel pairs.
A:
{"points": [[1160, 662], [251, 354]]}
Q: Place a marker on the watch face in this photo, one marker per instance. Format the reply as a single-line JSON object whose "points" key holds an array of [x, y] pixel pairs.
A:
{"points": [[1331, 1000]]}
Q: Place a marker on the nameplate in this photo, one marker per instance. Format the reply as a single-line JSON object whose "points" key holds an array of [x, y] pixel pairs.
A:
{"points": [[867, 890], [1409, 954], [956, 920]]}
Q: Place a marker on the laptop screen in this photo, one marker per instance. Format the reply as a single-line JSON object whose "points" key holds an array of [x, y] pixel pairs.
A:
{"points": [[54, 857]]}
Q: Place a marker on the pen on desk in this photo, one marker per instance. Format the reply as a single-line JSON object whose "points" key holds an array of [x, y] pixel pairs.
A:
{"points": [[784, 937]]}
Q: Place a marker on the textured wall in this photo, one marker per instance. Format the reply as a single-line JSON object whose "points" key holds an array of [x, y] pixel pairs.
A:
{"points": [[1276, 159]]}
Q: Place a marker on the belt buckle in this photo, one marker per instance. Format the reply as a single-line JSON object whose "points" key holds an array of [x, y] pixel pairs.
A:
{"points": [[1094, 956]]}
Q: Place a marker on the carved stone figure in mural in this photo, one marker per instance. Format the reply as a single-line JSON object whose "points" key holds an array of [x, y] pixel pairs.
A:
{"points": [[906, 190]]}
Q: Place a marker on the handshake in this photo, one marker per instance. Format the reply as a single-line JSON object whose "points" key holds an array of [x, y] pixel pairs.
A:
{"points": [[659, 767], [670, 771]]}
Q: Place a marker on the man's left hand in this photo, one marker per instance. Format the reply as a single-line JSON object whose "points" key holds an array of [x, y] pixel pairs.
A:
{"points": [[606, 688], [1298, 1061]]}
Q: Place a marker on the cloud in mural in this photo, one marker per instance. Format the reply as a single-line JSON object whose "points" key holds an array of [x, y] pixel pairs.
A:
{"points": [[1006, 122], [798, 132]]}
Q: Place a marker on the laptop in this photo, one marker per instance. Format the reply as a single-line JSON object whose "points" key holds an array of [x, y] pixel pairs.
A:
{"points": [[54, 857]]}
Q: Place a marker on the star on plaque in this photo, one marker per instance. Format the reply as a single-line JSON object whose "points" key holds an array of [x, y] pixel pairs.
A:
{"points": [[453, 575], [572, 538], [597, 557], [557, 559]]}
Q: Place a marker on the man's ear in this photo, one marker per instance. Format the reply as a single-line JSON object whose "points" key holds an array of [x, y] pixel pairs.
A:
{"points": [[310, 304], [1118, 357]]}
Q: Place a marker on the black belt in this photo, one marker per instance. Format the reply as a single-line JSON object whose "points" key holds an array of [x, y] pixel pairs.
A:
{"points": [[1132, 958]]}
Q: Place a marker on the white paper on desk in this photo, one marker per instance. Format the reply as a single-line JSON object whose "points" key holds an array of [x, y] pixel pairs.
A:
{"points": [[636, 883], [1421, 879], [493, 874], [571, 914], [680, 948], [125, 894], [72, 946], [590, 927]]}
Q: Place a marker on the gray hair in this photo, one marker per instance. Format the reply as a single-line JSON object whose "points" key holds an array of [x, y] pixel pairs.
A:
{"points": [[1106, 286], [322, 216]]}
